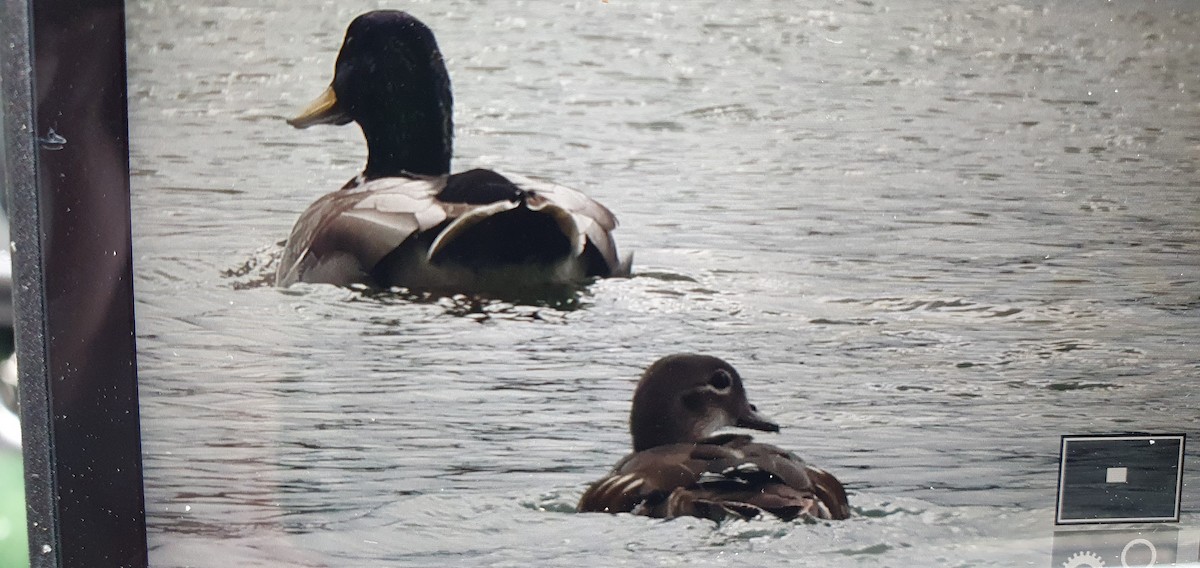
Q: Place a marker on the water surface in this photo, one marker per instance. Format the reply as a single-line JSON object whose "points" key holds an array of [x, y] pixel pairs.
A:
{"points": [[932, 237]]}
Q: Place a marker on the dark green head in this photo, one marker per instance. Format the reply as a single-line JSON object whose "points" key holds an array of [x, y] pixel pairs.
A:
{"points": [[391, 80]]}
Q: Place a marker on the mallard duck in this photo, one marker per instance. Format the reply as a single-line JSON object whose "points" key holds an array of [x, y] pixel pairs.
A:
{"points": [[679, 468], [405, 220]]}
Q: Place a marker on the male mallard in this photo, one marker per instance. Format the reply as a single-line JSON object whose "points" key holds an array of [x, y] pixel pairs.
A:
{"points": [[406, 221], [679, 468]]}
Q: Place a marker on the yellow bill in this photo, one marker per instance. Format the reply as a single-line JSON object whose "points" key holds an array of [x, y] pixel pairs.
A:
{"points": [[324, 110]]}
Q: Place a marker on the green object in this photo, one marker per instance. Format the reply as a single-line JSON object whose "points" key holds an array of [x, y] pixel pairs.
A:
{"points": [[14, 543]]}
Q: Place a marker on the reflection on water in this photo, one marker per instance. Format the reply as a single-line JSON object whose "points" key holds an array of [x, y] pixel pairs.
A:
{"points": [[934, 238]]}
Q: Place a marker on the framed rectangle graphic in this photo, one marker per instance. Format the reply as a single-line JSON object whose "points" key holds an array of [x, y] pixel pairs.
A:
{"points": [[1120, 479]]}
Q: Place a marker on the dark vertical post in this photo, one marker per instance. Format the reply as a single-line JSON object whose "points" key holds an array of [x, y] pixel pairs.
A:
{"points": [[29, 307], [74, 289]]}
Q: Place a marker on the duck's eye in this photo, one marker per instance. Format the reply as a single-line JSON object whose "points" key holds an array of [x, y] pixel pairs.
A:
{"points": [[720, 380]]}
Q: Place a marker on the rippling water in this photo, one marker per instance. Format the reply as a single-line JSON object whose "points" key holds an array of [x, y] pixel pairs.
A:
{"points": [[933, 238]]}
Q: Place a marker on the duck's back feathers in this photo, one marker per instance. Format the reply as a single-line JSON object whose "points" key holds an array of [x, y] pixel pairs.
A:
{"points": [[716, 478], [450, 232]]}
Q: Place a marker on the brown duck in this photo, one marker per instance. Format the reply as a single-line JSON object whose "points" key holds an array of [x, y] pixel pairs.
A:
{"points": [[679, 468]]}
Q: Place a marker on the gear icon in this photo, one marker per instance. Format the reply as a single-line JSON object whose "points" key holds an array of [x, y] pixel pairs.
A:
{"points": [[1085, 559]]}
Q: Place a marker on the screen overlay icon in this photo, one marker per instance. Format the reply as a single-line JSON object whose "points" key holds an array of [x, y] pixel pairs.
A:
{"points": [[1120, 479]]}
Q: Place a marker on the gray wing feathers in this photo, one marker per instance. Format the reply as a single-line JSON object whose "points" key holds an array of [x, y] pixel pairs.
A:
{"points": [[577, 203], [360, 224], [592, 219], [352, 229]]}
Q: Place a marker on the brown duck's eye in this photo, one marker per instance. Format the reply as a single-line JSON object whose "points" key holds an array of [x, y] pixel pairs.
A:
{"points": [[720, 380]]}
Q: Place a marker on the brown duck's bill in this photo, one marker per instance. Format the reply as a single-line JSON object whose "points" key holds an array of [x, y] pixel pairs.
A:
{"points": [[750, 418], [324, 110]]}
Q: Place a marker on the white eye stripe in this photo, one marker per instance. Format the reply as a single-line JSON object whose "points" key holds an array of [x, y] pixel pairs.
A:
{"points": [[714, 390], [720, 382]]}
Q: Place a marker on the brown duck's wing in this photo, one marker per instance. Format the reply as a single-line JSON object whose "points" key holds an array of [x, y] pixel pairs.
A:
{"points": [[642, 482], [830, 491], [720, 477], [592, 220], [769, 478], [719, 504], [341, 236]]}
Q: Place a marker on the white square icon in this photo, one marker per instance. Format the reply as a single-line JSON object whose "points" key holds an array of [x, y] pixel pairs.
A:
{"points": [[1116, 475]]}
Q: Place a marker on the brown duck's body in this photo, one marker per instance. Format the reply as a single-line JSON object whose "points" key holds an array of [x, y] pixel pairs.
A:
{"points": [[713, 477]]}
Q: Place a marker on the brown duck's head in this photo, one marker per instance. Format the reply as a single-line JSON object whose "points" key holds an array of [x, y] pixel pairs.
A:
{"points": [[686, 397]]}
